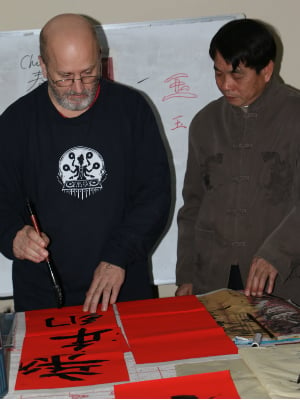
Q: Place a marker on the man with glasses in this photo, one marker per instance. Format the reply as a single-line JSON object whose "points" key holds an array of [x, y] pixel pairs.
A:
{"points": [[88, 155]]}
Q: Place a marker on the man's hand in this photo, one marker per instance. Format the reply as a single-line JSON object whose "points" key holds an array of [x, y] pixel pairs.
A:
{"points": [[107, 282], [261, 273], [184, 290], [29, 245]]}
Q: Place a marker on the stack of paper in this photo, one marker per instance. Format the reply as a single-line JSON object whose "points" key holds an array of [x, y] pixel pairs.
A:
{"points": [[173, 328]]}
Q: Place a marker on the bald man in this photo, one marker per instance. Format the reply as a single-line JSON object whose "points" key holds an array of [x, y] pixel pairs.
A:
{"points": [[81, 148]]}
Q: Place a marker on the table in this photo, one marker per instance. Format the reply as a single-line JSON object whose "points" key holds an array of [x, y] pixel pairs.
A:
{"points": [[280, 366]]}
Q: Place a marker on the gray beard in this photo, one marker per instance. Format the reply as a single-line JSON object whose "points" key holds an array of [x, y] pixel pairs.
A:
{"points": [[64, 102]]}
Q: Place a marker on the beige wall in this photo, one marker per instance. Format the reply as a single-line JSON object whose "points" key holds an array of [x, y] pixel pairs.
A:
{"points": [[283, 15]]}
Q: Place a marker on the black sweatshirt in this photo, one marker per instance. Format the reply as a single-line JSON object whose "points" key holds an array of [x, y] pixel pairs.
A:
{"points": [[100, 186]]}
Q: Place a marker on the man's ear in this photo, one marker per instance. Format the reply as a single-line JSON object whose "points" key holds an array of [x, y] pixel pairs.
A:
{"points": [[267, 71], [43, 67]]}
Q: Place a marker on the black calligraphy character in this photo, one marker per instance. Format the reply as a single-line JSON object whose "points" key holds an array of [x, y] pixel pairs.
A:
{"points": [[90, 318], [36, 81], [49, 322], [61, 369], [86, 319], [81, 341]]}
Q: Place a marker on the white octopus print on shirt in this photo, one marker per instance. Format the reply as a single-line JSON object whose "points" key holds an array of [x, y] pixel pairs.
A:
{"points": [[81, 172]]}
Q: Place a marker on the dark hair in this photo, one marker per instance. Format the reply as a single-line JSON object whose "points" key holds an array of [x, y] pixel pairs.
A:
{"points": [[244, 41]]}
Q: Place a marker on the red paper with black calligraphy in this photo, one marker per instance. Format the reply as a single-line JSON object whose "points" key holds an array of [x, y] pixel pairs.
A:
{"points": [[66, 347], [38, 322]]}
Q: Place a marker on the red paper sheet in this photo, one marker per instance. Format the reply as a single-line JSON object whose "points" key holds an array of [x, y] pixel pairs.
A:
{"points": [[54, 320], [160, 306], [62, 370], [160, 336], [87, 340], [180, 346], [154, 325], [66, 347], [214, 385]]}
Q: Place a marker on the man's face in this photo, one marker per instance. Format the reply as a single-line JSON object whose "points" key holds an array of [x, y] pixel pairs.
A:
{"points": [[243, 85], [77, 97], [72, 61]]}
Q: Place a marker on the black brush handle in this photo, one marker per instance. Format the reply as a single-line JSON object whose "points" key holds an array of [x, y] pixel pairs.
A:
{"points": [[52, 272]]}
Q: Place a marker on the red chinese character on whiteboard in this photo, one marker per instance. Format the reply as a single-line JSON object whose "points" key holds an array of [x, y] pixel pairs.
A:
{"points": [[179, 87], [178, 123]]}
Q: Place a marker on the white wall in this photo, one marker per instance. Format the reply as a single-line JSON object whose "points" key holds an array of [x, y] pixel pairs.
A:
{"points": [[283, 15]]}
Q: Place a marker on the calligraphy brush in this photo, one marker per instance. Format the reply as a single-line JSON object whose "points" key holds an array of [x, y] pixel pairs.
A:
{"points": [[52, 271]]}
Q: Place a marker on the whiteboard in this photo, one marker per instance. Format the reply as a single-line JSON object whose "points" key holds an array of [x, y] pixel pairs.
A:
{"points": [[168, 61]]}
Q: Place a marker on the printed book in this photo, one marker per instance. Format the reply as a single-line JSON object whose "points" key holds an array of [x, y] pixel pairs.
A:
{"points": [[278, 316], [242, 316]]}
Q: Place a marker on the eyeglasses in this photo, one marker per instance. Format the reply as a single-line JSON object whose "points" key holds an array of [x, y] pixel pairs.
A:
{"points": [[85, 80]]}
